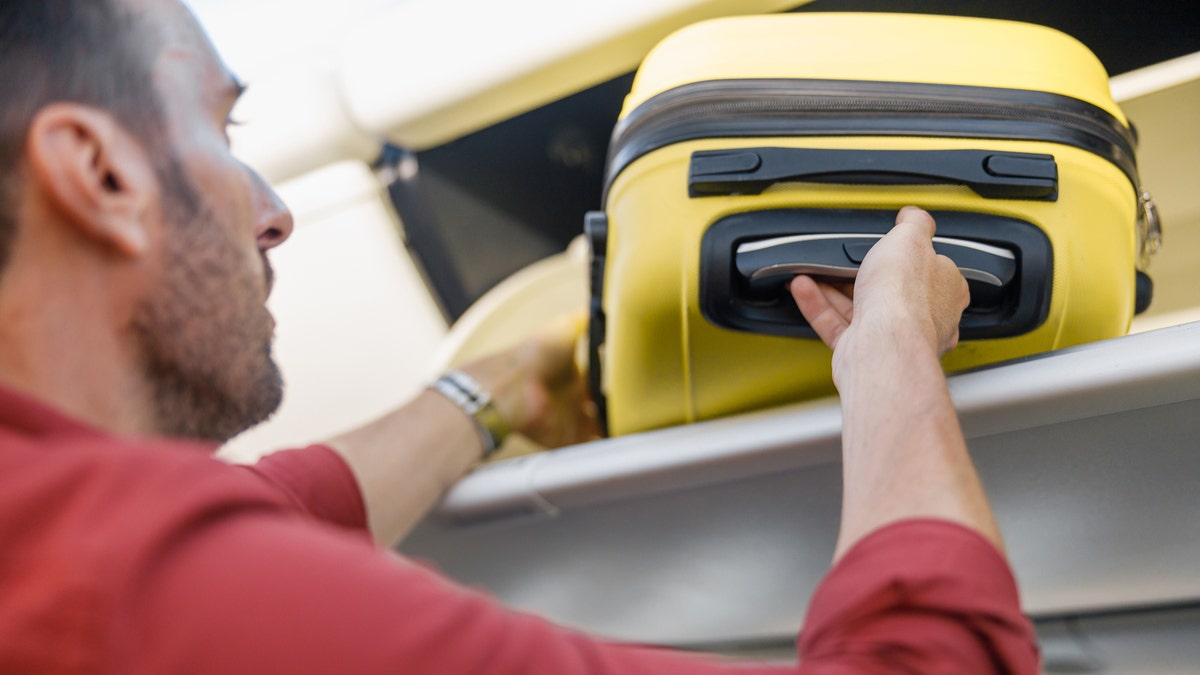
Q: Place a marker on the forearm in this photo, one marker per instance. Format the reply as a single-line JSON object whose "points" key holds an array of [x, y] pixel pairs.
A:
{"points": [[405, 461], [903, 450]]}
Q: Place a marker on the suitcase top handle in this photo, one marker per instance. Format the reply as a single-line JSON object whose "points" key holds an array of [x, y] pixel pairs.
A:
{"points": [[991, 174], [823, 108]]}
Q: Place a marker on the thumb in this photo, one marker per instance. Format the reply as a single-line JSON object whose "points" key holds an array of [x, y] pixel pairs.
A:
{"points": [[917, 220]]}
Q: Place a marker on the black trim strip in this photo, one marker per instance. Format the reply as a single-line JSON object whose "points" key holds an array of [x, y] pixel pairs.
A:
{"points": [[800, 107]]}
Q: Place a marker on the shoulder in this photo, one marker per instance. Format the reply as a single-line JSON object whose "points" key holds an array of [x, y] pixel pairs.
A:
{"points": [[94, 495], [86, 516]]}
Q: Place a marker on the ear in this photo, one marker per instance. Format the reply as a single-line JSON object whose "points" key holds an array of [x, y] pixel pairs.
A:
{"points": [[94, 173]]}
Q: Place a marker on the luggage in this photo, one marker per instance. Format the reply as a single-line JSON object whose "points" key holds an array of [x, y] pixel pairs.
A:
{"points": [[751, 149]]}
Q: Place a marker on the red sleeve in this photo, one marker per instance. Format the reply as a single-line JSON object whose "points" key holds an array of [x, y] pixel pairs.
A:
{"points": [[264, 592], [921, 596], [271, 593], [316, 481]]}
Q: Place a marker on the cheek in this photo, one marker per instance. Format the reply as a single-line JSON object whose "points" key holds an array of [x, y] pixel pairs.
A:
{"points": [[237, 191], [232, 250], [233, 200], [222, 181]]}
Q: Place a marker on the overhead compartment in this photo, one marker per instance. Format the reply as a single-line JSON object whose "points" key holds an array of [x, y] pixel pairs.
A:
{"points": [[713, 535], [716, 533]]}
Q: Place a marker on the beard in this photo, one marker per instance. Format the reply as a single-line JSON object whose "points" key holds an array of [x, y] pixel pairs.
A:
{"points": [[205, 334]]}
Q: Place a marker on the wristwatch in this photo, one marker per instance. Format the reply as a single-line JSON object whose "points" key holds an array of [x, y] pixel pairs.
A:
{"points": [[463, 391]]}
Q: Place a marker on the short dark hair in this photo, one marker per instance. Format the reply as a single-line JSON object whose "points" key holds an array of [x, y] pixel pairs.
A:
{"points": [[92, 52]]}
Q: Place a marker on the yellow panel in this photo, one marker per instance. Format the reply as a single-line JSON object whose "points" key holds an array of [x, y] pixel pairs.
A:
{"points": [[666, 364]]}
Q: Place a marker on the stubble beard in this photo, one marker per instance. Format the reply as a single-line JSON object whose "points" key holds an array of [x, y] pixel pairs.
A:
{"points": [[205, 334]]}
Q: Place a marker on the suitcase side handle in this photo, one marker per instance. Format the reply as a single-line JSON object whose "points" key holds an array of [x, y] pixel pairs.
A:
{"points": [[595, 228], [990, 174]]}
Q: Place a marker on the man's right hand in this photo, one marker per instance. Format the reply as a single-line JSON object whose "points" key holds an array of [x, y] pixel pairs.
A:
{"points": [[904, 289], [903, 453]]}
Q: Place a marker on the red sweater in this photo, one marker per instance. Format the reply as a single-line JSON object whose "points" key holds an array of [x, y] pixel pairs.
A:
{"points": [[151, 556]]}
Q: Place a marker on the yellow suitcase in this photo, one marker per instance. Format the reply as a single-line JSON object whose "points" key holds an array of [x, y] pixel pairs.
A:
{"points": [[751, 149]]}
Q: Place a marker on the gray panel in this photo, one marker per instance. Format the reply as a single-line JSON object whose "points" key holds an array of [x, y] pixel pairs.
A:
{"points": [[717, 533], [1161, 642]]}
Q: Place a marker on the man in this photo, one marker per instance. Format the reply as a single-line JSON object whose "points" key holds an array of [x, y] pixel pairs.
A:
{"points": [[134, 338]]}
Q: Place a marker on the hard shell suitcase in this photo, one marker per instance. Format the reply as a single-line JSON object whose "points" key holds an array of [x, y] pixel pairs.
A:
{"points": [[751, 149]]}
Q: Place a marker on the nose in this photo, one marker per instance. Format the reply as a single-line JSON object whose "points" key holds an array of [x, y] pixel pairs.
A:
{"points": [[274, 222]]}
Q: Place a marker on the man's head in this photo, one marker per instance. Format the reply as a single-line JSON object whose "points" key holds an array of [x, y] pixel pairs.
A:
{"points": [[57, 50], [113, 151]]}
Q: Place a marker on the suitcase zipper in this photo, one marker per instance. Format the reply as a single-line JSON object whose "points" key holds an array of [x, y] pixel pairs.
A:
{"points": [[784, 107]]}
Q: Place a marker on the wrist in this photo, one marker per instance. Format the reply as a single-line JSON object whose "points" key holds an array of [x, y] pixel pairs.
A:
{"points": [[510, 379], [905, 347], [474, 400]]}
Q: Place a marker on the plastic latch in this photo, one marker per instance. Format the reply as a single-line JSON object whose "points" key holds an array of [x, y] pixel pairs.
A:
{"points": [[734, 162], [857, 251], [1021, 167]]}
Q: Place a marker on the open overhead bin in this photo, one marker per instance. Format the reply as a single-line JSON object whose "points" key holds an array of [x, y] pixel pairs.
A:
{"points": [[715, 534]]}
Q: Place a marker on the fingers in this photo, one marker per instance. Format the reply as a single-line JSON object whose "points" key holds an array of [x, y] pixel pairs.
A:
{"points": [[840, 297], [951, 343], [825, 308], [902, 279], [551, 351], [917, 219], [557, 409], [565, 416], [564, 330], [951, 296], [914, 229], [943, 291]]}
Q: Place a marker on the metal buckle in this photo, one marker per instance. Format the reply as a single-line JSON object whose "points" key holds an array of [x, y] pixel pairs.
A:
{"points": [[1149, 227]]}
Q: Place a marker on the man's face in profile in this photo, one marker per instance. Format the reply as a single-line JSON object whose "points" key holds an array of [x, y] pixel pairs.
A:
{"points": [[204, 330]]}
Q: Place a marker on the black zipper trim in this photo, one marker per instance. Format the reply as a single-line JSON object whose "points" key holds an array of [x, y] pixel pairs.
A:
{"points": [[800, 107]]}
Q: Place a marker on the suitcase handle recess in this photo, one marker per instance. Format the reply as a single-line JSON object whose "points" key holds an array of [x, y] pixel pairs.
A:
{"points": [[747, 258], [768, 264], [990, 174]]}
